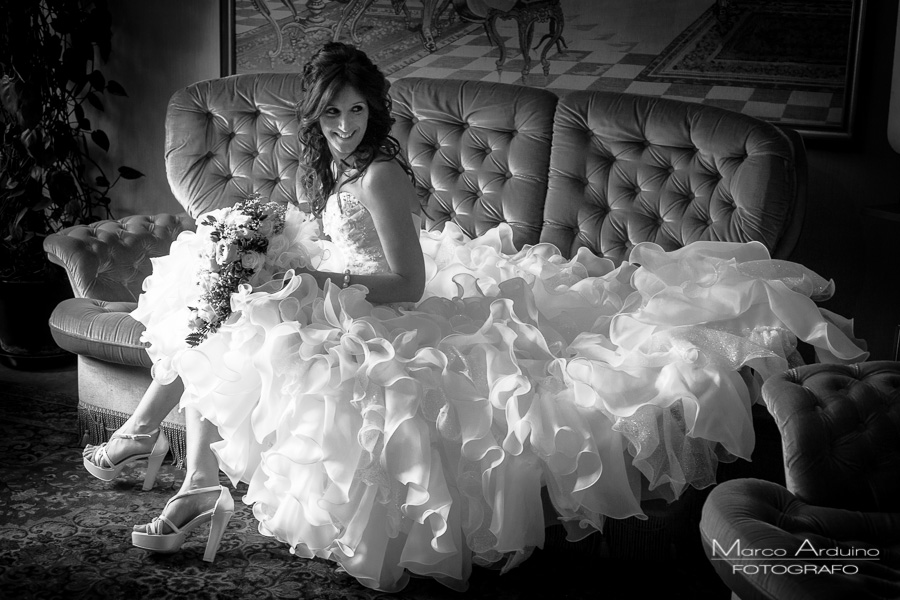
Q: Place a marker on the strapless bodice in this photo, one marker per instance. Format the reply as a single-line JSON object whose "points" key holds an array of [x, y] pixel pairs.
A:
{"points": [[350, 227]]}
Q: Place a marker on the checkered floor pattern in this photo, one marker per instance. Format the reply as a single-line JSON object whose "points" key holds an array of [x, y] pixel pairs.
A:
{"points": [[595, 56]]}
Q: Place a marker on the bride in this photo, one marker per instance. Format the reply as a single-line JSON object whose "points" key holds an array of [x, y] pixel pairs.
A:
{"points": [[396, 400]]}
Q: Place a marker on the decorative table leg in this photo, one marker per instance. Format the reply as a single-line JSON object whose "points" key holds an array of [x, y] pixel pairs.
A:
{"points": [[400, 6], [366, 5], [427, 17], [526, 34], [557, 23], [345, 14], [260, 5], [491, 27]]}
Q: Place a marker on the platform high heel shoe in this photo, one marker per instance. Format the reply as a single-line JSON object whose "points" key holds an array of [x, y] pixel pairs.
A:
{"points": [[218, 518], [95, 457]]}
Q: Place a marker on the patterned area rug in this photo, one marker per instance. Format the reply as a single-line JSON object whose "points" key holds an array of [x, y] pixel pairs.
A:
{"points": [[390, 39], [66, 535], [772, 44]]}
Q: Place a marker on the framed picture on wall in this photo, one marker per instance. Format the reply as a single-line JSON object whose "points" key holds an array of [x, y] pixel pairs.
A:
{"points": [[281, 35], [790, 62]]}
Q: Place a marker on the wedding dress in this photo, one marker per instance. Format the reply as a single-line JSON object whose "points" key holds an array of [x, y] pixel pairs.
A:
{"points": [[417, 438]]}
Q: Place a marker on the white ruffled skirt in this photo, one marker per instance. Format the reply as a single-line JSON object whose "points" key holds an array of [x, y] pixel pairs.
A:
{"points": [[400, 440]]}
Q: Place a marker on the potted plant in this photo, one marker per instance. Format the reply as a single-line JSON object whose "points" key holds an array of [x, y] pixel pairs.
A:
{"points": [[50, 56]]}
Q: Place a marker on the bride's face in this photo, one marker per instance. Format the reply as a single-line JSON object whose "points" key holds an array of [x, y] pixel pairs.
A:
{"points": [[344, 122]]}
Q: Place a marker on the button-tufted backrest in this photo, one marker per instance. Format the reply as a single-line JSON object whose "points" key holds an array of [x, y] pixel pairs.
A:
{"points": [[628, 169], [229, 137], [480, 152], [840, 427]]}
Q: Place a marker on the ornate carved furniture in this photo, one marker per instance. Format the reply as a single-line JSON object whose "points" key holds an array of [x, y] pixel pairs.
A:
{"points": [[431, 12], [526, 13]]}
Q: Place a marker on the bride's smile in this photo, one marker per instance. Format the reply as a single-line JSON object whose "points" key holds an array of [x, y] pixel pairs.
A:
{"points": [[344, 122]]}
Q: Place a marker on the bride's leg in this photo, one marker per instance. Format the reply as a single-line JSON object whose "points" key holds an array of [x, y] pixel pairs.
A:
{"points": [[138, 438], [202, 472]]}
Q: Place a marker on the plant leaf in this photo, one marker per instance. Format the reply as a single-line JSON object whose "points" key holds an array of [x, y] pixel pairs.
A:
{"points": [[115, 88], [94, 101], [129, 173], [100, 138], [97, 80], [101, 181]]}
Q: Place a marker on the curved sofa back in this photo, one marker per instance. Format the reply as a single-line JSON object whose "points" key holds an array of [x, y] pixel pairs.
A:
{"points": [[603, 170]]}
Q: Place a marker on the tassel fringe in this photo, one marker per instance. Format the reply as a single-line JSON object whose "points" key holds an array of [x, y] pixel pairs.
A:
{"points": [[97, 424]]}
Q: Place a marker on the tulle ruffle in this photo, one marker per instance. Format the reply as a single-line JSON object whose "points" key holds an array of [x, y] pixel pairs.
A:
{"points": [[397, 441]]}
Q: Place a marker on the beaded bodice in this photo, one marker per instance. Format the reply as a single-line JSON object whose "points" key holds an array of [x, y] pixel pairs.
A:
{"points": [[349, 225]]}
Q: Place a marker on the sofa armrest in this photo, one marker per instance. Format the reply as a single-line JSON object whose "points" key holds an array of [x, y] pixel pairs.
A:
{"points": [[764, 542], [101, 330], [108, 260], [840, 423]]}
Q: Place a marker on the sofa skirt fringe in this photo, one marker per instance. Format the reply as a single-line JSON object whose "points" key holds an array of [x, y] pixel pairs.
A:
{"points": [[96, 424]]}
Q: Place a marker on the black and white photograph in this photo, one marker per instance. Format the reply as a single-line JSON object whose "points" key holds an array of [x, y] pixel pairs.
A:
{"points": [[445, 299]]}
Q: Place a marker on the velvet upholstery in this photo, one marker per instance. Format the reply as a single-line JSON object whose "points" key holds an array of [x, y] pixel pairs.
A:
{"points": [[627, 169], [840, 426], [480, 152]]}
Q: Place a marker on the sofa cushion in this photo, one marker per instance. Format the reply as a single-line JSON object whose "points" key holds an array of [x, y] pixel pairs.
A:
{"points": [[627, 169], [102, 330], [480, 152]]}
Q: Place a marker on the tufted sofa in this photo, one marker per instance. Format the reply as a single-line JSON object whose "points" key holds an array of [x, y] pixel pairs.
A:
{"points": [[841, 431], [595, 169]]}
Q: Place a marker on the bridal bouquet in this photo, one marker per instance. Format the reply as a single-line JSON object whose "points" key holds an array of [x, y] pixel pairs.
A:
{"points": [[239, 238]]}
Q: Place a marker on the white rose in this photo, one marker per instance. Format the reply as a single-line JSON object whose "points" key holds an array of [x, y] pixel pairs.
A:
{"points": [[208, 281], [266, 227], [226, 252], [239, 219], [206, 312], [195, 322], [252, 261]]}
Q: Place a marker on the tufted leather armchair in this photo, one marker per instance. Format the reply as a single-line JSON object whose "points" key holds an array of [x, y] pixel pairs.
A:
{"points": [[596, 169], [841, 430]]}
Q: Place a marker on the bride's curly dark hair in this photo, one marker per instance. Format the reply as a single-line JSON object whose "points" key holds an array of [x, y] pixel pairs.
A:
{"points": [[333, 67]]}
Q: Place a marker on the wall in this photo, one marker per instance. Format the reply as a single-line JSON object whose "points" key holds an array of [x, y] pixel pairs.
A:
{"points": [[158, 48], [838, 240]]}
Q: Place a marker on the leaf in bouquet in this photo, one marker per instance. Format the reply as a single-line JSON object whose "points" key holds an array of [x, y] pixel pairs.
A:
{"points": [[129, 173], [195, 338], [99, 137], [101, 181]]}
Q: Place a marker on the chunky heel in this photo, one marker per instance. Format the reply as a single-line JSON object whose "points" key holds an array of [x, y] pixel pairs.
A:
{"points": [[96, 457], [216, 529], [154, 540], [154, 462]]}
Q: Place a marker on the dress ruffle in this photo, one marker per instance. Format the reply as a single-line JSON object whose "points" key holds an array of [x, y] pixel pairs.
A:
{"points": [[417, 440]]}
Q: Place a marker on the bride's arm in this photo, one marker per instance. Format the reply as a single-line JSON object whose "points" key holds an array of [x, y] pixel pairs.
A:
{"points": [[388, 195]]}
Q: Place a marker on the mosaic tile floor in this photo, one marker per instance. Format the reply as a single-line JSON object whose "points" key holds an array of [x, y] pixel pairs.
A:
{"points": [[607, 44]]}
